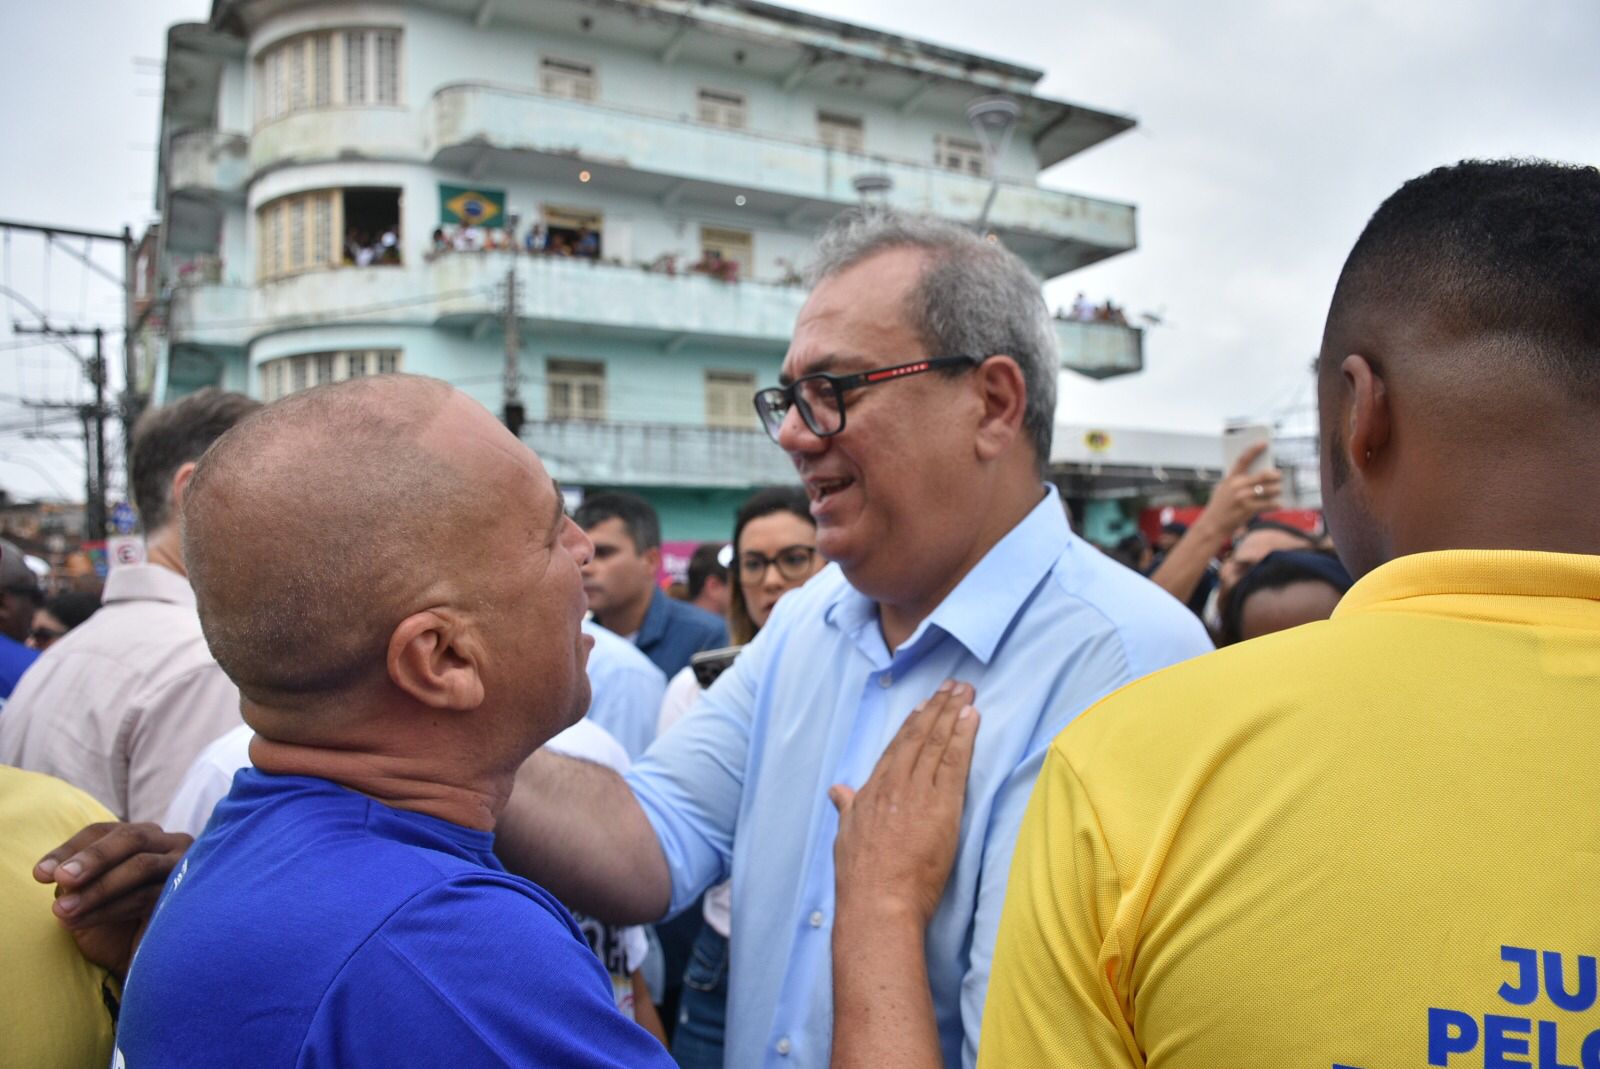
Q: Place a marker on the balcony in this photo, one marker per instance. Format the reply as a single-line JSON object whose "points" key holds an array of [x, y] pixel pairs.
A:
{"points": [[1100, 350], [208, 163], [463, 289], [656, 454], [210, 314], [477, 127], [623, 300]]}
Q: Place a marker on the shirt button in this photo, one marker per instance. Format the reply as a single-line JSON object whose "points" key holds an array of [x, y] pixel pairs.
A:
{"points": [[783, 1047], [816, 918], [886, 680]]}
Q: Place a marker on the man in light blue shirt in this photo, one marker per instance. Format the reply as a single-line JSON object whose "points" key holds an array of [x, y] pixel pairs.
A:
{"points": [[917, 405], [627, 690]]}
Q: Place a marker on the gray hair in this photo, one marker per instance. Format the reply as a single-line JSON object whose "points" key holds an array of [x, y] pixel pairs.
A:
{"points": [[976, 298]]}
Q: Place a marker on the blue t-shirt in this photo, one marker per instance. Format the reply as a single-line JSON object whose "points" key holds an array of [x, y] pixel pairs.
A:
{"points": [[314, 926], [14, 660]]}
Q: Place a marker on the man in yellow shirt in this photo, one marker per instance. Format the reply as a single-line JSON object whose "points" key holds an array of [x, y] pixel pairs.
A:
{"points": [[1374, 841], [55, 1007]]}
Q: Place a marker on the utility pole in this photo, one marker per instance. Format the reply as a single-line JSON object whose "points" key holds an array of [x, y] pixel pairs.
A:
{"points": [[515, 414], [94, 426], [133, 402]]}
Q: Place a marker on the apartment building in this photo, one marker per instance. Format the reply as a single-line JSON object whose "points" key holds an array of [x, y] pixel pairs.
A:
{"points": [[349, 188]]}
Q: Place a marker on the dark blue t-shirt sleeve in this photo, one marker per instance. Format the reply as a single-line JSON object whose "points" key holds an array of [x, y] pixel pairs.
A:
{"points": [[476, 971]]}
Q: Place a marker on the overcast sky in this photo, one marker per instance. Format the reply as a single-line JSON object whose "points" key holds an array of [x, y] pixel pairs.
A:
{"points": [[1268, 132]]}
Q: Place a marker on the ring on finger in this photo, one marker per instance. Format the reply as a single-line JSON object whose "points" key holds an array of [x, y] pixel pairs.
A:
{"points": [[1260, 491]]}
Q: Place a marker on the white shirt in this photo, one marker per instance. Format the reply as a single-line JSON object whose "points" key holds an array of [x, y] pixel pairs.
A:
{"points": [[121, 705], [625, 690]]}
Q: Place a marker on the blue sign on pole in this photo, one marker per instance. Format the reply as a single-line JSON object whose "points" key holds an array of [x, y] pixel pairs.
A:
{"points": [[123, 518]]}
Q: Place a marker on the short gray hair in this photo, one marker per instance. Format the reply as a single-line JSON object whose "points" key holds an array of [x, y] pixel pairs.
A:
{"points": [[976, 298]]}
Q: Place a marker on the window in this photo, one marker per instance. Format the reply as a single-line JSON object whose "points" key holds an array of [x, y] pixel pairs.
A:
{"points": [[842, 132], [285, 375], [355, 67], [728, 399], [322, 77], [575, 390], [959, 154], [325, 228], [719, 107], [573, 232], [386, 46], [296, 233], [731, 246], [567, 78], [328, 68]]}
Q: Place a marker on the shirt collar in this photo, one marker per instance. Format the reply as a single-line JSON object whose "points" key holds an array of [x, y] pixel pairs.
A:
{"points": [[1482, 572], [979, 611], [147, 582], [655, 621]]}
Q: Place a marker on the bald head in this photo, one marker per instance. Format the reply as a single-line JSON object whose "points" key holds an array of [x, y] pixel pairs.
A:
{"points": [[316, 525]]}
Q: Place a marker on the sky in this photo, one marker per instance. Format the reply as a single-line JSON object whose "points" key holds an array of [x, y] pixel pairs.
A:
{"points": [[1269, 131]]}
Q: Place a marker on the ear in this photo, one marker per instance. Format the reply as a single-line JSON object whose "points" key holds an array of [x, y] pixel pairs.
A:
{"points": [[180, 483], [436, 659], [652, 556], [1004, 396], [1367, 417]]}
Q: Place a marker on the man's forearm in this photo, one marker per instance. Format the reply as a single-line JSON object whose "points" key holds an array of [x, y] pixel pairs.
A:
{"points": [[882, 1005], [1186, 563], [576, 829]]}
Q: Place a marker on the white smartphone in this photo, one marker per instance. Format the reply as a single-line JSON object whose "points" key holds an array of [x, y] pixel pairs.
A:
{"points": [[1236, 438]]}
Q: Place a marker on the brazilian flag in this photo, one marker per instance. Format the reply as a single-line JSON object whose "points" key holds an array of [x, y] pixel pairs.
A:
{"points": [[462, 205]]}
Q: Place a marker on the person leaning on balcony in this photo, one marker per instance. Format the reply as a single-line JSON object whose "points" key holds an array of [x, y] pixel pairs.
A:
{"points": [[918, 406]]}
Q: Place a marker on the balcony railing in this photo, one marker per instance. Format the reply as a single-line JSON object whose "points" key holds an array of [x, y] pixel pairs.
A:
{"points": [[655, 454], [209, 162], [1100, 350], [210, 314], [464, 119]]}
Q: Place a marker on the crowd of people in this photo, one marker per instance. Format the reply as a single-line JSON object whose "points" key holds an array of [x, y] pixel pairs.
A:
{"points": [[363, 248], [582, 243], [1084, 310], [386, 758]]}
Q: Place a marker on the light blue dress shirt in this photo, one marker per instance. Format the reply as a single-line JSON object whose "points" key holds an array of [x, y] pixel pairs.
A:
{"points": [[625, 690], [1043, 627]]}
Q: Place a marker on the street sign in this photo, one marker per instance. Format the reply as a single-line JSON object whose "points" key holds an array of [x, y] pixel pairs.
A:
{"points": [[123, 518]]}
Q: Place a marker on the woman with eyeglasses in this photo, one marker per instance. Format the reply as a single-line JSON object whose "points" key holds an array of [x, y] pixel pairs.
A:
{"points": [[774, 552]]}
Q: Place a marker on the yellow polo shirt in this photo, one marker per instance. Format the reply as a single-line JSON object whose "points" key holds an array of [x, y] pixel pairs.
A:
{"points": [[1368, 842], [52, 1010]]}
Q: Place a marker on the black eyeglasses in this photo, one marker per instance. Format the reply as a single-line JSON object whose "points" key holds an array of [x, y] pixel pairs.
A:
{"points": [[820, 397], [792, 562]]}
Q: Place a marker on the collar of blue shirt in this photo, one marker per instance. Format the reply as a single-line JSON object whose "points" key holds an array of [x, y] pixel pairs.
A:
{"points": [[986, 601]]}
